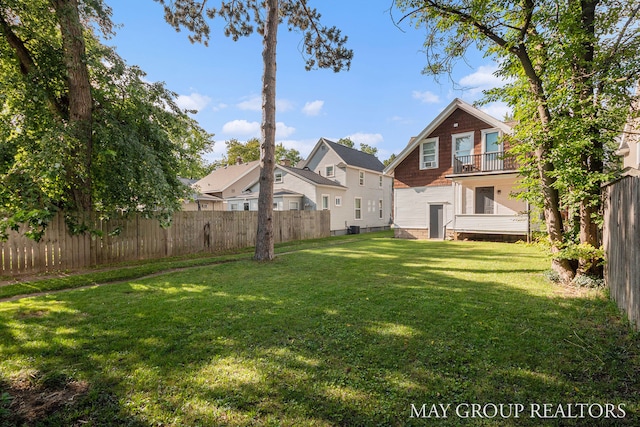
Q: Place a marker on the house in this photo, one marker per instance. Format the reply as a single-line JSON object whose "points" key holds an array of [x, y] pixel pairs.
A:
{"points": [[197, 201], [227, 182], [629, 148], [348, 182], [453, 181]]}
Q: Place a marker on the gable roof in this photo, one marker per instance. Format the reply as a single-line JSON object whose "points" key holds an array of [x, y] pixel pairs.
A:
{"points": [[222, 178], [350, 156], [444, 114], [310, 176]]}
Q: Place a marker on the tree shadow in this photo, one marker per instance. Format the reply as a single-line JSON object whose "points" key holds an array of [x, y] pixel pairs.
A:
{"points": [[344, 336]]}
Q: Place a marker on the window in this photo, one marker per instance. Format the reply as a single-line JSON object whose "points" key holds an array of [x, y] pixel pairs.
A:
{"points": [[380, 208], [492, 150], [380, 181], [246, 206], [204, 206], [234, 207], [361, 177], [275, 206], [325, 202], [329, 171], [463, 146], [294, 206], [429, 154], [358, 208], [338, 201], [278, 177], [491, 143]]}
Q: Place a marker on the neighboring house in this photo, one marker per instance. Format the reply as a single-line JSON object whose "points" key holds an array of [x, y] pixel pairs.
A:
{"points": [[629, 148], [293, 189], [198, 201], [348, 182], [227, 182], [453, 181]]}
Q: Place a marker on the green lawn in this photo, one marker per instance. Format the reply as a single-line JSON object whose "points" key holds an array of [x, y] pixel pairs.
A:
{"points": [[352, 334]]}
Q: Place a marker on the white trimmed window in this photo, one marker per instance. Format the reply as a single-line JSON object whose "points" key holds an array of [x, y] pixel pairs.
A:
{"points": [[429, 154], [380, 181], [294, 206], [329, 172], [325, 202], [380, 208], [233, 207], [338, 201], [358, 208], [361, 178], [462, 146], [278, 178]]}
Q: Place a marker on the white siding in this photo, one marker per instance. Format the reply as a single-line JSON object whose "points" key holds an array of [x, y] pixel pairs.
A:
{"points": [[412, 205]]}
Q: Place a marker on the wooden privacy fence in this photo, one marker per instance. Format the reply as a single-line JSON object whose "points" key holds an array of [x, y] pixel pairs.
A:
{"points": [[136, 238], [622, 244]]}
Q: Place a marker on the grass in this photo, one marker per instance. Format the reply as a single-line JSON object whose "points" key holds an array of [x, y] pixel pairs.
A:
{"points": [[12, 287], [332, 335]]}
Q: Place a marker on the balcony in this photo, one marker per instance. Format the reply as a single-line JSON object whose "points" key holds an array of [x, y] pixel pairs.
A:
{"points": [[480, 163]]}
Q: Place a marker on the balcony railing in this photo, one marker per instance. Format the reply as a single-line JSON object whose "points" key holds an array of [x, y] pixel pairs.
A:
{"points": [[488, 162]]}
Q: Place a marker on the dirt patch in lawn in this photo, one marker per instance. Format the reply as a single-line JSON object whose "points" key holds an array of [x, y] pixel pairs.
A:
{"points": [[31, 398]]}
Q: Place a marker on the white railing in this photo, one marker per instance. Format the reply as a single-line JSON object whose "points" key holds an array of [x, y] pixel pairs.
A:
{"points": [[491, 224]]}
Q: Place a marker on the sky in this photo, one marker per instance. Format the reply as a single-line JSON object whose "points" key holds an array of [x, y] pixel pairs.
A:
{"points": [[383, 100]]}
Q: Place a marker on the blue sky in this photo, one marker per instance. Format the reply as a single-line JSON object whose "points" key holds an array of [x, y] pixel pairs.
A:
{"points": [[382, 101]]}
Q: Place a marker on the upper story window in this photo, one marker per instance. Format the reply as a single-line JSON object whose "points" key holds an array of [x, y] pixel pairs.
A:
{"points": [[380, 181], [429, 154], [463, 145], [278, 178], [491, 142], [329, 171], [361, 177]]}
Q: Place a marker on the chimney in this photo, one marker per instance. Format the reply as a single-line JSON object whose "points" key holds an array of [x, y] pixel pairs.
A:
{"points": [[285, 162], [238, 160]]}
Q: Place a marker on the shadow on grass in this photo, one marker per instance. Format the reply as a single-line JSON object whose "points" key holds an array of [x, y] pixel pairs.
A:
{"points": [[350, 335]]}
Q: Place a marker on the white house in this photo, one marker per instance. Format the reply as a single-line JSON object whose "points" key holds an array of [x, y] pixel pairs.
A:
{"points": [[348, 182]]}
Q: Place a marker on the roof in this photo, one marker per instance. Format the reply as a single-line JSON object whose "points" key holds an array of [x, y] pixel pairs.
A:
{"points": [[195, 195], [311, 176], [350, 156], [221, 178], [444, 114]]}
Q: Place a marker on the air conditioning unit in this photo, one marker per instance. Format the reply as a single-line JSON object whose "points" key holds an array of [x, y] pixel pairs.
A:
{"points": [[430, 164]]}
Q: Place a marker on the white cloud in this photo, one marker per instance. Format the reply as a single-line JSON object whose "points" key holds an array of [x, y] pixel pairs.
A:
{"points": [[497, 109], [255, 104], [251, 104], [241, 127], [195, 101], [283, 131], [484, 78], [426, 97], [313, 108], [238, 128], [371, 139]]}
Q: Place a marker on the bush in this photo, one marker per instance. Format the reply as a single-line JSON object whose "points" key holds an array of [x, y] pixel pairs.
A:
{"points": [[584, 281], [552, 276]]}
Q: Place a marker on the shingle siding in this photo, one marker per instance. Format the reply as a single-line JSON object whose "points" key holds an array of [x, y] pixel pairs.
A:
{"points": [[408, 172]]}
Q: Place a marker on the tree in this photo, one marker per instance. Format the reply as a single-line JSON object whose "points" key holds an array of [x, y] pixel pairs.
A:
{"points": [[250, 151], [570, 66], [324, 48], [347, 142], [139, 139], [391, 158], [366, 148]]}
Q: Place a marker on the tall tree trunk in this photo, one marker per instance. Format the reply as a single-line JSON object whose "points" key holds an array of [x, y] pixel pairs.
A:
{"points": [[265, 237], [593, 161], [550, 196], [80, 103]]}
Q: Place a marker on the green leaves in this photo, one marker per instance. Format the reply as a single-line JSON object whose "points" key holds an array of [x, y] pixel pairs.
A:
{"points": [[141, 140]]}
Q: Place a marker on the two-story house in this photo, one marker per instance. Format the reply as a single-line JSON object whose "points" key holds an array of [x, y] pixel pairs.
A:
{"points": [[345, 181], [452, 180]]}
